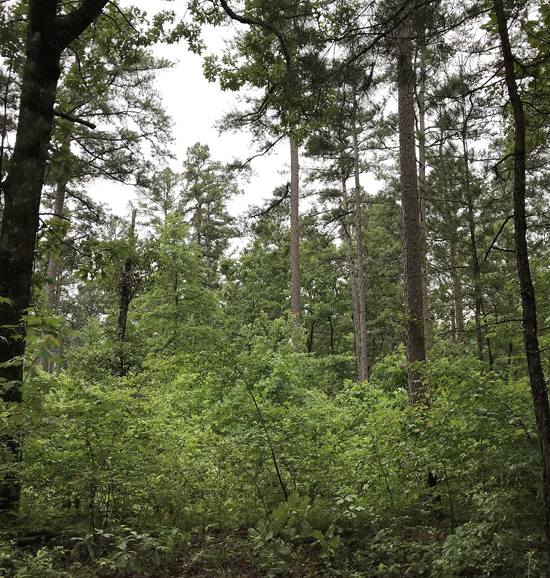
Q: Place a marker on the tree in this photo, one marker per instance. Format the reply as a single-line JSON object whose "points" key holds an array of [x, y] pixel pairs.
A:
{"points": [[49, 33], [410, 200], [528, 302], [207, 188]]}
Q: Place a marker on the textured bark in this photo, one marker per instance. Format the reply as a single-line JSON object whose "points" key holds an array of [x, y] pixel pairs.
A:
{"points": [[362, 364], [536, 375], [421, 186], [295, 305], [412, 255], [47, 36]]}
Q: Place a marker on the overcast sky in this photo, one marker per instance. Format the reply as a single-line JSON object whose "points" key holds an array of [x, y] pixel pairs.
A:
{"points": [[195, 105]]}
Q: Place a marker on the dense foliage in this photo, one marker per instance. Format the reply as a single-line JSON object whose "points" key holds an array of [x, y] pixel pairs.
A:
{"points": [[173, 418]]}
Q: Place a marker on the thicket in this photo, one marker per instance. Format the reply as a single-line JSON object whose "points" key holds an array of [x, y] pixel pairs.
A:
{"points": [[227, 459]]}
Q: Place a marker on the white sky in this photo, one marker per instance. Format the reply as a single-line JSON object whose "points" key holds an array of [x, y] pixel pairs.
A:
{"points": [[195, 105]]}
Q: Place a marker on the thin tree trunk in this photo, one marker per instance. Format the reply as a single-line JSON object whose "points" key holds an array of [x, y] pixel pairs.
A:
{"points": [[127, 287], [476, 268], [457, 293], [536, 374], [362, 364], [52, 288], [412, 254], [352, 276], [422, 188], [295, 305], [476, 271]]}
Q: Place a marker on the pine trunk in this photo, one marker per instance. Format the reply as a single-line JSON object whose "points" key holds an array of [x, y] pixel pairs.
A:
{"points": [[412, 254], [295, 305], [346, 223], [362, 364], [422, 188], [457, 292]]}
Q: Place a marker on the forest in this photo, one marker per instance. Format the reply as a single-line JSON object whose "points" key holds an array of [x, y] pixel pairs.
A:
{"points": [[347, 379]]}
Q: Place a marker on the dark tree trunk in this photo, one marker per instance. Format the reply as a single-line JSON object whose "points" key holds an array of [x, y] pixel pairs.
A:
{"points": [[47, 36], [536, 375], [128, 284], [295, 305], [412, 254]]}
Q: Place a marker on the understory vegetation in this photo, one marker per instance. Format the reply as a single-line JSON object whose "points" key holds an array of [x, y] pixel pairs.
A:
{"points": [[345, 380], [222, 463]]}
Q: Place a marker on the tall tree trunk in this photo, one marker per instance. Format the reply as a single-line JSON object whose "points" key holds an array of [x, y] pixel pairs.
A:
{"points": [[476, 268], [421, 98], [536, 375], [412, 254], [346, 222], [362, 364], [295, 305], [47, 36], [476, 271]]}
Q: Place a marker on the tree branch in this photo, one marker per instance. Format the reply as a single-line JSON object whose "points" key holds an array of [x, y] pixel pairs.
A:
{"points": [[254, 22], [72, 25], [72, 118]]}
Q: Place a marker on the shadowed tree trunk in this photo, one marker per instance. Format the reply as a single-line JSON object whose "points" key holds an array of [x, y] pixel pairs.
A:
{"points": [[48, 34], [536, 375], [128, 284]]}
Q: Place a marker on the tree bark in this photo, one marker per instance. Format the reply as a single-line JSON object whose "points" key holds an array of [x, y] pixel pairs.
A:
{"points": [[346, 223], [295, 305], [536, 374], [422, 186], [362, 364], [47, 36], [412, 254], [457, 291]]}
